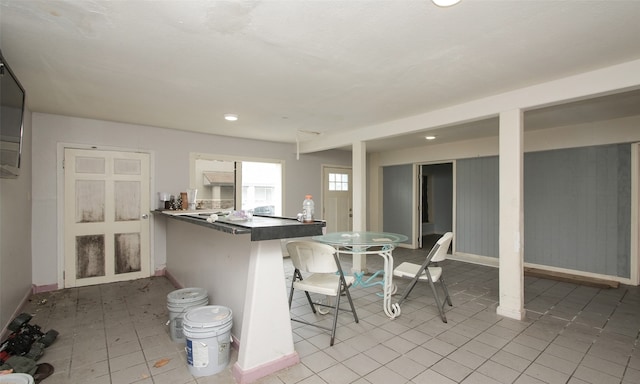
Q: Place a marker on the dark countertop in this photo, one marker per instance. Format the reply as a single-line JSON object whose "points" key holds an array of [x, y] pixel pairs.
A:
{"points": [[260, 227]]}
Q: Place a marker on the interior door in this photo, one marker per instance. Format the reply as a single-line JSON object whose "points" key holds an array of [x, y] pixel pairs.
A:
{"points": [[337, 199], [106, 211]]}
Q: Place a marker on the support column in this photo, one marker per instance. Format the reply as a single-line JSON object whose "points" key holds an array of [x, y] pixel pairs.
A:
{"points": [[511, 229], [359, 174]]}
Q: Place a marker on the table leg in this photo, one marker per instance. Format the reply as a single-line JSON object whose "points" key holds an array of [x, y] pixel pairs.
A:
{"points": [[391, 310]]}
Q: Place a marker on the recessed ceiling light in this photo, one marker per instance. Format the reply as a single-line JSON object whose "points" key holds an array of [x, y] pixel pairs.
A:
{"points": [[445, 3], [430, 137], [230, 117]]}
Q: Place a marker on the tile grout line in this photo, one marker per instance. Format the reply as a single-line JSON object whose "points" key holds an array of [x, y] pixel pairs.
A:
{"points": [[600, 330], [106, 340]]}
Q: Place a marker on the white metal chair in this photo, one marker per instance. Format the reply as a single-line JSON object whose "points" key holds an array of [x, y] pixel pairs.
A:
{"points": [[323, 275], [429, 271]]}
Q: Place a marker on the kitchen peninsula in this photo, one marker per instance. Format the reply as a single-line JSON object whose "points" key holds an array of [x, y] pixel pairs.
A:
{"points": [[240, 265]]}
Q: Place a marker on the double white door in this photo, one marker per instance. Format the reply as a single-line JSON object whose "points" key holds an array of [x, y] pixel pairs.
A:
{"points": [[106, 226]]}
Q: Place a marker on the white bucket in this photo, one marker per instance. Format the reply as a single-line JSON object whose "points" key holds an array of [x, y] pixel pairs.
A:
{"points": [[178, 303], [16, 378], [208, 333]]}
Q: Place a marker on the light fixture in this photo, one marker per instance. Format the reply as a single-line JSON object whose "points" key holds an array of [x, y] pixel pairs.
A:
{"points": [[230, 117], [430, 137], [445, 3]]}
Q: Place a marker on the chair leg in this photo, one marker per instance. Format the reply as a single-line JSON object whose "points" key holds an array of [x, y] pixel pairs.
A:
{"points": [[298, 276], [438, 303], [353, 308], [446, 291], [345, 288], [313, 307], [293, 280], [290, 295], [407, 290], [336, 310]]}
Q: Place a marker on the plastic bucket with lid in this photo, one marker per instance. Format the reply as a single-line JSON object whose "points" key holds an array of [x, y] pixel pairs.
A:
{"points": [[178, 303], [17, 378], [208, 336]]}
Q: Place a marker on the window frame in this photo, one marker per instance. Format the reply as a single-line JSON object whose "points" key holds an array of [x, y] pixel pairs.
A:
{"points": [[195, 156]]}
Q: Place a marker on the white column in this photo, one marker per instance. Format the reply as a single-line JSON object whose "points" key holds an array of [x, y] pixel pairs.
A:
{"points": [[266, 342], [359, 172], [511, 230]]}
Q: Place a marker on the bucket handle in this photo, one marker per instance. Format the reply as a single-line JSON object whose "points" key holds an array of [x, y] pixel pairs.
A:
{"points": [[200, 342]]}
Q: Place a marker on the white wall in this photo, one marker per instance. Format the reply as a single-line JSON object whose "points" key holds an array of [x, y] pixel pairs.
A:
{"points": [[15, 234], [170, 173]]}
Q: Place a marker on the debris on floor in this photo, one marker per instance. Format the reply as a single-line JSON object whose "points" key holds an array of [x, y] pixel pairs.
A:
{"points": [[161, 363]]}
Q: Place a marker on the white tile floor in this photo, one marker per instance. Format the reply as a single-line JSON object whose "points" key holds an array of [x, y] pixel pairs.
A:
{"points": [[115, 333]]}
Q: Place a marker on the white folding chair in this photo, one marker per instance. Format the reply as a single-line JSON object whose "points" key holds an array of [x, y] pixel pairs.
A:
{"points": [[429, 271], [323, 275]]}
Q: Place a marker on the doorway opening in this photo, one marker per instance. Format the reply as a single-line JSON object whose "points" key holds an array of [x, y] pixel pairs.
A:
{"points": [[435, 202]]}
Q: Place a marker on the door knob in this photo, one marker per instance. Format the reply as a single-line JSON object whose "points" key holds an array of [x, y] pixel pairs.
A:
{"points": [[145, 216]]}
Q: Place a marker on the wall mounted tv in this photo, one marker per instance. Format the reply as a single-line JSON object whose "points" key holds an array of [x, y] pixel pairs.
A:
{"points": [[11, 116]]}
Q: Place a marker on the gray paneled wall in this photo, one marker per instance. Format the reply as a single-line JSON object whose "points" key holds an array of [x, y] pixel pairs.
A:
{"points": [[477, 206], [397, 195], [576, 205], [577, 208]]}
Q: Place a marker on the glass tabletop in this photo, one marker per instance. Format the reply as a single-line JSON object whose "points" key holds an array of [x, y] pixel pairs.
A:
{"points": [[361, 238]]}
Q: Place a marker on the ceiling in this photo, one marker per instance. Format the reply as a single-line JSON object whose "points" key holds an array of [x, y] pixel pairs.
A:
{"points": [[295, 69]]}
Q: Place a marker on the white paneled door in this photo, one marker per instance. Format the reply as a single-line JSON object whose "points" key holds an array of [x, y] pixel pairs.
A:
{"points": [[106, 211], [338, 199]]}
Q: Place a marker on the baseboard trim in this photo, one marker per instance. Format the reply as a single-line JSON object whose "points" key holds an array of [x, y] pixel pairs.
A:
{"points": [[23, 303], [251, 375], [549, 272], [475, 259], [172, 279], [571, 276], [44, 288]]}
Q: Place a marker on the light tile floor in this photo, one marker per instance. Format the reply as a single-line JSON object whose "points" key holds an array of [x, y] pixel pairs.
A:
{"points": [[115, 333]]}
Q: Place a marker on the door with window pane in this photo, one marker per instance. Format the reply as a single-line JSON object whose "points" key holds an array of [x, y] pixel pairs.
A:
{"points": [[106, 214], [338, 198]]}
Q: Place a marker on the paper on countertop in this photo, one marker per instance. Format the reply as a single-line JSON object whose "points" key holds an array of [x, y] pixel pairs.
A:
{"points": [[212, 218]]}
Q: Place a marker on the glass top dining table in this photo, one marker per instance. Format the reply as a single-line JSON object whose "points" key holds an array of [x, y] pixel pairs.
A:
{"points": [[366, 239], [365, 242]]}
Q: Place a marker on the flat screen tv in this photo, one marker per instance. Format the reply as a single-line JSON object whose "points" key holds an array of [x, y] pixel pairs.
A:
{"points": [[11, 117]]}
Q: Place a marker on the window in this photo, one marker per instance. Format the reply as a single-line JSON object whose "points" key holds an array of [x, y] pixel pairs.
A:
{"points": [[338, 182], [227, 183], [261, 187]]}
